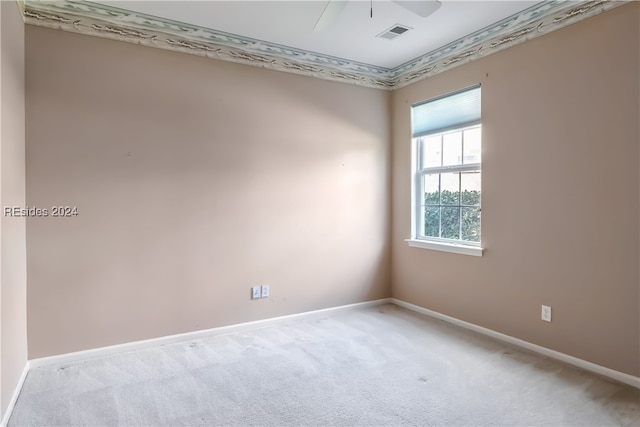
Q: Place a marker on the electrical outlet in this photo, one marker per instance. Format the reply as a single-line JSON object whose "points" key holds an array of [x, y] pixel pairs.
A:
{"points": [[265, 291], [255, 292], [546, 313]]}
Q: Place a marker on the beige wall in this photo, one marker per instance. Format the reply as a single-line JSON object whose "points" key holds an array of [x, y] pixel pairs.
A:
{"points": [[194, 179], [13, 330], [560, 194]]}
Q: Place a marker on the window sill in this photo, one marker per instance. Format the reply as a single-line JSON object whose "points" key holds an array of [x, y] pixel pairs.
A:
{"points": [[446, 247]]}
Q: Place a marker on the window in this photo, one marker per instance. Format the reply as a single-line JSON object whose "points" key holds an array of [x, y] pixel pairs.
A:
{"points": [[447, 173]]}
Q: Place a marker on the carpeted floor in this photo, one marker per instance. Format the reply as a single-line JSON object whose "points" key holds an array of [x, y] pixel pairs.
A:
{"points": [[373, 366]]}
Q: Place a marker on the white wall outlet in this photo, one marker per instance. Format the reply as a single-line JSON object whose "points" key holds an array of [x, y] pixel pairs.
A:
{"points": [[546, 313], [265, 291], [255, 292]]}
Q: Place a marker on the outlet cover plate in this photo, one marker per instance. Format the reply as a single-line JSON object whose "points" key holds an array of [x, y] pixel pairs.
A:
{"points": [[546, 313], [265, 291], [255, 292]]}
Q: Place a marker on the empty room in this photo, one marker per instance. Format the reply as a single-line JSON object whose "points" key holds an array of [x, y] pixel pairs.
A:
{"points": [[320, 213]]}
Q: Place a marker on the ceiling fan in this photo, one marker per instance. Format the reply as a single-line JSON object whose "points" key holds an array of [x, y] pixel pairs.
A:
{"points": [[334, 8]]}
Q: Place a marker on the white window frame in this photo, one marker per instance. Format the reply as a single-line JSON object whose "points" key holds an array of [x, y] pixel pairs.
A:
{"points": [[418, 239]]}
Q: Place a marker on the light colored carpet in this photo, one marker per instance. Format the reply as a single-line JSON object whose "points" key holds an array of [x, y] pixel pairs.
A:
{"points": [[375, 366]]}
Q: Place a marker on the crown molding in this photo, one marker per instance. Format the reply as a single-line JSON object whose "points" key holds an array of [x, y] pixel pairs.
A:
{"points": [[21, 8], [540, 19], [119, 24]]}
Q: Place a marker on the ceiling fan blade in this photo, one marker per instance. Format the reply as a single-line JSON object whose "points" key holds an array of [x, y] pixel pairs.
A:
{"points": [[421, 8], [332, 10]]}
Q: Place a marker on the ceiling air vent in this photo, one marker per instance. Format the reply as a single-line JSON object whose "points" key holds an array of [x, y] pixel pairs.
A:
{"points": [[393, 32]]}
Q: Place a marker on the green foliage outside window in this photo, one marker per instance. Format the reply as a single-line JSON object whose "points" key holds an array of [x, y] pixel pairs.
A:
{"points": [[452, 215]]}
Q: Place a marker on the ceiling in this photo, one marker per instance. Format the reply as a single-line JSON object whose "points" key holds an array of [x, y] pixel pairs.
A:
{"points": [[280, 35], [353, 35]]}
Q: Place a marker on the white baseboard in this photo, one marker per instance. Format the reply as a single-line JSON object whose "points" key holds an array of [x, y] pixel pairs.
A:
{"points": [[583, 364], [171, 339], [14, 397]]}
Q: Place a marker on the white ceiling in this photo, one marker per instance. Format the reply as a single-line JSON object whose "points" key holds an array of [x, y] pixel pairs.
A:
{"points": [[353, 35]]}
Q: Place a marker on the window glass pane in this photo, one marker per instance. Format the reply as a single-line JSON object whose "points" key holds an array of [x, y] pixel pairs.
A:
{"points": [[431, 151], [452, 149], [432, 189], [470, 188], [471, 224], [472, 139], [450, 222], [450, 189], [432, 221]]}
